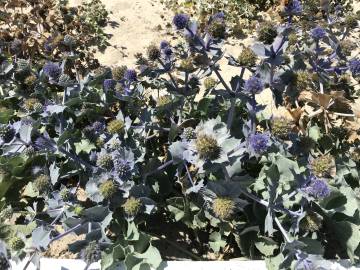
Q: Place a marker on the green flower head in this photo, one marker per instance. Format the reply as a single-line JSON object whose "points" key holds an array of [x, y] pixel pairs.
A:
{"points": [[281, 127], [107, 189], [267, 32], [42, 183], [16, 243], [247, 57], [223, 207], [32, 105], [209, 83], [115, 126], [207, 147], [322, 166], [312, 222], [132, 206]]}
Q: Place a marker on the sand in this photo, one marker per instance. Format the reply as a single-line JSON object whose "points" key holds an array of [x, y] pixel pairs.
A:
{"points": [[142, 22], [138, 26]]}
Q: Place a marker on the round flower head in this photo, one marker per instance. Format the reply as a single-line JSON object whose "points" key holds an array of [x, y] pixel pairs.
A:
{"points": [[91, 253], [132, 206], [52, 70], [207, 147], [109, 84], [188, 134], [107, 189], [259, 142], [168, 52], [130, 75], [115, 126], [354, 66], [48, 47], [7, 213], [223, 207], [254, 85], [282, 127], [317, 188], [318, 33], [16, 243], [247, 57], [29, 151], [119, 72], [164, 44], [32, 105], [7, 133], [311, 222], [65, 194], [209, 83], [267, 32], [218, 16], [98, 126], [105, 161], [180, 21], [294, 7], [322, 166], [153, 52], [42, 183]]}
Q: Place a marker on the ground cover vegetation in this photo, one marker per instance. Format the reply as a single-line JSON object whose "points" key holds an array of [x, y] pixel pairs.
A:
{"points": [[168, 152]]}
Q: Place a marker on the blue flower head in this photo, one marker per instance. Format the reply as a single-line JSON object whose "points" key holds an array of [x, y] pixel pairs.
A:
{"points": [[354, 66], [164, 44], [254, 85], [48, 47], [318, 33], [218, 16], [109, 84], [98, 126], [180, 21], [130, 75], [168, 52], [52, 70], [294, 8], [317, 188], [259, 142]]}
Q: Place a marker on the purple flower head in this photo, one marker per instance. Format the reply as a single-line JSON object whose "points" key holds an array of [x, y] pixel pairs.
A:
{"points": [[130, 75], [168, 52], [294, 8], [317, 188], [48, 47], [52, 70], [354, 66], [109, 84], [98, 126], [318, 33], [254, 85], [180, 21], [218, 16], [259, 142], [164, 44]]}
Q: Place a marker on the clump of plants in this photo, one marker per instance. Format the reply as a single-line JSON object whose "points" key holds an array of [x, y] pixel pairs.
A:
{"points": [[121, 155], [42, 31]]}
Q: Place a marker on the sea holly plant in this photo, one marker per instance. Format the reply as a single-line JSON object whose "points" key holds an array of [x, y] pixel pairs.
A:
{"points": [[122, 160]]}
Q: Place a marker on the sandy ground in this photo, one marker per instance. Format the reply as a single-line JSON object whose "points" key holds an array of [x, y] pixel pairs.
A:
{"points": [[139, 24], [142, 22]]}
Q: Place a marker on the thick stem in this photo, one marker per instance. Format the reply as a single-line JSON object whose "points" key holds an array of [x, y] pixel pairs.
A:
{"points": [[169, 73]]}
